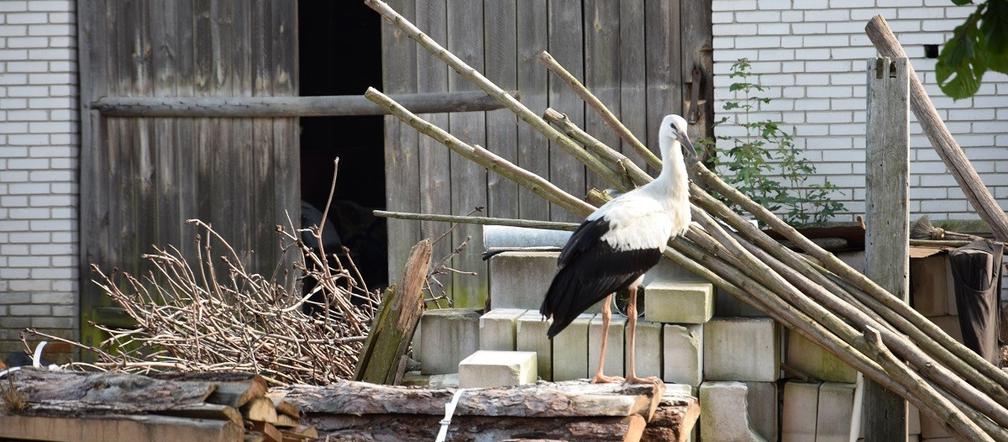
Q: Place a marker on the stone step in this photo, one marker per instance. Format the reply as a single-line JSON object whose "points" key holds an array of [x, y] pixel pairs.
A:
{"points": [[531, 336], [683, 353], [724, 412], [498, 329], [570, 350], [614, 345], [489, 368], [446, 337], [813, 360], [741, 349]]}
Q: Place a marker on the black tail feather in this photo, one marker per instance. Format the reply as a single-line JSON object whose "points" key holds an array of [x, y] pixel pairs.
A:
{"points": [[572, 292]]}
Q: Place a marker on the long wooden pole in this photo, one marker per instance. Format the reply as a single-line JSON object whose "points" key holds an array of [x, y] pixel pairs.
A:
{"points": [[976, 192], [320, 106]]}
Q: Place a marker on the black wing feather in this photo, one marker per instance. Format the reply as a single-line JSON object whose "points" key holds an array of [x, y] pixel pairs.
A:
{"points": [[589, 269]]}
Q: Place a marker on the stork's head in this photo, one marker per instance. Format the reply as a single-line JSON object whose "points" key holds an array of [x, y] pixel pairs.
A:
{"points": [[673, 129]]}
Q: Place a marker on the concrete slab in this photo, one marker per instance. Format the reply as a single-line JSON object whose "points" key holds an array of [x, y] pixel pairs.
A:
{"points": [[615, 346], [489, 368], [570, 351], [799, 413], [649, 349], [682, 348], [836, 404], [519, 279], [532, 337], [724, 412], [679, 302], [813, 360], [498, 329], [741, 349], [763, 408], [447, 336]]}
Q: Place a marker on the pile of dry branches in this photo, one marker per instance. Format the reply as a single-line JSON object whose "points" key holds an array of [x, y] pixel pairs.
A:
{"points": [[816, 294], [215, 315]]}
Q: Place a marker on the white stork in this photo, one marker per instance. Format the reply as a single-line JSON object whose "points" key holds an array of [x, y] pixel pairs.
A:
{"points": [[620, 241]]}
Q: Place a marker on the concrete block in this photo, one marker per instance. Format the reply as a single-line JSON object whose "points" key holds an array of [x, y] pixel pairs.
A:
{"points": [[741, 349], [799, 417], [678, 302], [490, 368], [532, 337], [836, 404], [649, 349], [932, 288], [519, 279], [570, 350], [683, 352], [415, 379], [763, 408], [950, 325], [813, 360], [498, 329], [447, 336], [614, 345], [913, 420], [729, 306], [724, 412]]}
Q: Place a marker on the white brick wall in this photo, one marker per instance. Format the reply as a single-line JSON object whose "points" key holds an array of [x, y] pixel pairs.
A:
{"points": [[38, 168], [812, 56]]}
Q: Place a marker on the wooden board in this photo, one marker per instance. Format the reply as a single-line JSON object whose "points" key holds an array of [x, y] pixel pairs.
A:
{"points": [[566, 44], [501, 39], [662, 61], [117, 429], [602, 70], [112, 392], [533, 149], [633, 83]]}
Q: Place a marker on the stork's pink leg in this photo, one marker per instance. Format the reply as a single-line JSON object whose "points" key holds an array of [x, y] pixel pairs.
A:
{"points": [[632, 330], [606, 317]]}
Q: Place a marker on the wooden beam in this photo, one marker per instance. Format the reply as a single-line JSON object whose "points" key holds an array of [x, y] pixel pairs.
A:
{"points": [[321, 106], [887, 220], [941, 139]]}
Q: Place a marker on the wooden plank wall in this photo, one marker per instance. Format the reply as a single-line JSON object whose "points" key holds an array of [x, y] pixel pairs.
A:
{"points": [[141, 178], [630, 53]]}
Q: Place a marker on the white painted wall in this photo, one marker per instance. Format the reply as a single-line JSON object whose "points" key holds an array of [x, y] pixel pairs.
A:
{"points": [[38, 168], [812, 54]]}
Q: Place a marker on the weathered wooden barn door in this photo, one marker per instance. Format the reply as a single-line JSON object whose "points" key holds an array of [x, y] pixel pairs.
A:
{"points": [[638, 56], [141, 178]]}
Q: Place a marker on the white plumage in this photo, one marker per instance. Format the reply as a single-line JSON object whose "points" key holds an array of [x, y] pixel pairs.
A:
{"points": [[622, 240]]}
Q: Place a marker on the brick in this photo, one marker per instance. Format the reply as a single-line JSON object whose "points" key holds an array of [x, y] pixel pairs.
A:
{"points": [[532, 337], [834, 412], [498, 327], [678, 302], [649, 349], [51, 6], [570, 351], [615, 347], [724, 412], [488, 368], [682, 351], [741, 349], [52, 298], [51, 322], [446, 337], [798, 413], [29, 310]]}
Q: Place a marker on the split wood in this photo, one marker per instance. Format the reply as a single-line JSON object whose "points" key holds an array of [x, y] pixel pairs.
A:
{"points": [[804, 295]]}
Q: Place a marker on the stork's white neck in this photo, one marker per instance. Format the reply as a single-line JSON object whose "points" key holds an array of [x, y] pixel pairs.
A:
{"points": [[673, 181]]}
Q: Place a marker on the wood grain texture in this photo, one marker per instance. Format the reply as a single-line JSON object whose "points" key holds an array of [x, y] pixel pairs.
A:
{"points": [[633, 82], [662, 61], [118, 429], [566, 43], [468, 180], [602, 70], [887, 218], [533, 149], [941, 138], [696, 42], [500, 53]]}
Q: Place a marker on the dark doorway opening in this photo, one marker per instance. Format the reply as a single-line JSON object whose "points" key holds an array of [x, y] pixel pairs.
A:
{"points": [[339, 45]]}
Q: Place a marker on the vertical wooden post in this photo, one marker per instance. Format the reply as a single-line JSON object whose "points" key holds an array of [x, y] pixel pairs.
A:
{"points": [[887, 241]]}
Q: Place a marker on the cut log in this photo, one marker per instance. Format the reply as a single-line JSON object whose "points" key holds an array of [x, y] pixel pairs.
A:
{"points": [[562, 399], [284, 421], [206, 411], [287, 408], [260, 410], [115, 428], [82, 393], [234, 389], [674, 419], [269, 432], [300, 433], [393, 329]]}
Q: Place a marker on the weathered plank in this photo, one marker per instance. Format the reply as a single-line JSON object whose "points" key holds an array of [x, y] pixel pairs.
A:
{"points": [[633, 83], [501, 51], [468, 180], [662, 58], [566, 43], [435, 170], [696, 41], [602, 70], [887, 219], [117, 429], [286, 186], [111, 392], [533, 149], [402, 180]]}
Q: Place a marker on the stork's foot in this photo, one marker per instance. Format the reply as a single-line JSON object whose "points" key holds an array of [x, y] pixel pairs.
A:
{"points": [[644, 380], [603, 379]]}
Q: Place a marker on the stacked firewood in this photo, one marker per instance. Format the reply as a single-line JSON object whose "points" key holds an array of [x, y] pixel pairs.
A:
{"points": [[74, 406], [815, 293]]}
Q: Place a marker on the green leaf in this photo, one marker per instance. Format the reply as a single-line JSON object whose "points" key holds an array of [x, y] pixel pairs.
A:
{"points": [[962, 2], [959, 70]]}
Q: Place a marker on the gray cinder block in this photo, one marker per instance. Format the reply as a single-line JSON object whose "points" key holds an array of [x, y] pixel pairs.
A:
{"points": [[447, 336], [814, 360], [649, 349], [836, 403], [724, 412], [489, 368], [498, 329], [763, 408], [799, 417], [570, 350], [678, 302], [614, 345], [532, 337], [741, 349], [683, 353], [519, 279]]}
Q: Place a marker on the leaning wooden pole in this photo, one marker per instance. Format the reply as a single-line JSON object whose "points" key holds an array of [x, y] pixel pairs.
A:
{"points": [[976, 192]]}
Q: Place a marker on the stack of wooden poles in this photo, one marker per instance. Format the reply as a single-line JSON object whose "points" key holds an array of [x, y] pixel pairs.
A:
{"points": [[815, 293]]}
